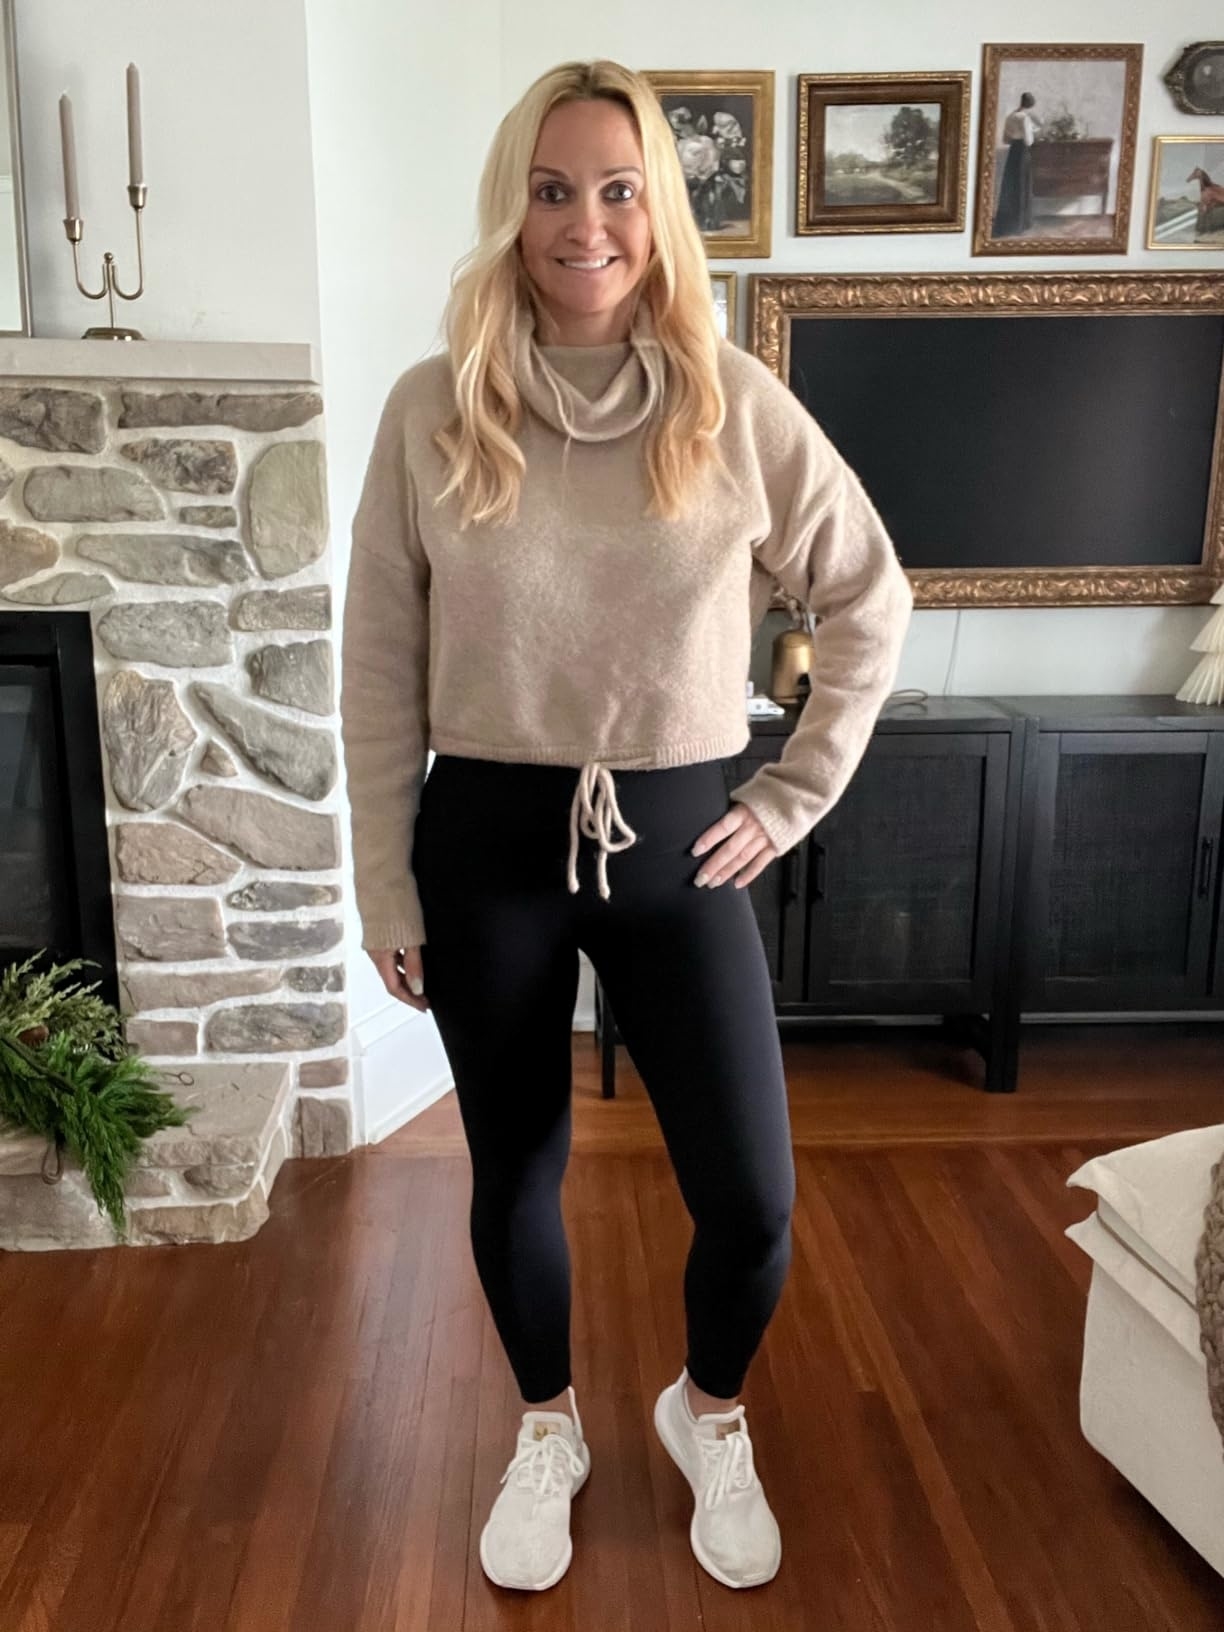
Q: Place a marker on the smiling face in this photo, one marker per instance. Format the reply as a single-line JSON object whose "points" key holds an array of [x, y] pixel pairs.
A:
{"points": [[585, 240]]}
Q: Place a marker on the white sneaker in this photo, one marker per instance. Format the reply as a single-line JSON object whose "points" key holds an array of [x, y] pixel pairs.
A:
{"points": [[734, 1534], [526, 1542]]}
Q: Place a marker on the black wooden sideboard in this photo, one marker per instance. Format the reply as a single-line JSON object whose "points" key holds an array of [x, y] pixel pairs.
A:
{"points": [[997, 856]]}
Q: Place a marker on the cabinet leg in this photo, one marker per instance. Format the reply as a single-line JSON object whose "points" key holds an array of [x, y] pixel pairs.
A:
{"points": [[1003, 1052], [996, 1037]]}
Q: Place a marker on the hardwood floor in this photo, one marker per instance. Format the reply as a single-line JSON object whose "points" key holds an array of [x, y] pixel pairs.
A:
{"points": [[306, 1430]]}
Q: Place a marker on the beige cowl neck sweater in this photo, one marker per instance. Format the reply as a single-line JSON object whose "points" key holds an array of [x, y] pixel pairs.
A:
{"points": [[586, 633]]}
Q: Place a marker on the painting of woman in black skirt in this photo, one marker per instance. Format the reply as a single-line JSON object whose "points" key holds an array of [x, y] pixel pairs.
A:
{"points": [[1056, 157], [1014, 210]]}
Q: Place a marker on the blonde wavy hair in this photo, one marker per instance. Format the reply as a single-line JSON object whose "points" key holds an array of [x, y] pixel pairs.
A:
{"points": [[490, 286]]}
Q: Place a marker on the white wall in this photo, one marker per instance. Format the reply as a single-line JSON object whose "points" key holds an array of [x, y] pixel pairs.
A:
{"points": [[403, 102], [955, 651], [229, 223]]}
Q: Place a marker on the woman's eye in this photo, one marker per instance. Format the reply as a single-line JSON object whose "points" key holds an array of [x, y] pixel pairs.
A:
{"points": [[550, 189]]}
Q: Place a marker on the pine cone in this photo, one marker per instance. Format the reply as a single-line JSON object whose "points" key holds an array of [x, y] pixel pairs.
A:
{"points": [[33, 1036]]}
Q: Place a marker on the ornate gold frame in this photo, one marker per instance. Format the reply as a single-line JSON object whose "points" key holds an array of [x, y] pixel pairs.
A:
{"points": [[775, 300], [947, 213], [759, 84], [992, 57]]}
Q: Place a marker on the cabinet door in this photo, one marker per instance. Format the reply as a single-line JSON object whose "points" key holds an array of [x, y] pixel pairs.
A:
{"points": [[904, 874], [777, 894], [1119, 902]]}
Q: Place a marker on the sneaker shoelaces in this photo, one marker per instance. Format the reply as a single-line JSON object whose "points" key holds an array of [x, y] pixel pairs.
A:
{"points": [[727, 1463], [541, 1466]]}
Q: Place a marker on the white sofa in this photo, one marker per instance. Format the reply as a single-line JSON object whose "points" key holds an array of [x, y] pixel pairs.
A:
{"points": [[1143, 1391]]}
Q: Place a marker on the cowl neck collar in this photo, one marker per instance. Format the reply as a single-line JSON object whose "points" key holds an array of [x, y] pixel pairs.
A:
{"points": [[590, 393]]}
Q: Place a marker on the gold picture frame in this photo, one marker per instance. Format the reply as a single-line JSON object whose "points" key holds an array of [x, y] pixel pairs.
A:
{"points": [[1072, 165], [1175, 233], [775, 301], [728, 283], [712, 158], [822, 96]]}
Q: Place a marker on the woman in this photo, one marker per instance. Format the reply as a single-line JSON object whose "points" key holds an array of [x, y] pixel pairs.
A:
{"points": [[1014, 211], [569, 528]]}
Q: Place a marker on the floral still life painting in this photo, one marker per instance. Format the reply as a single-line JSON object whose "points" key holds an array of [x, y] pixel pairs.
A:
{"points": [[723, 130]]}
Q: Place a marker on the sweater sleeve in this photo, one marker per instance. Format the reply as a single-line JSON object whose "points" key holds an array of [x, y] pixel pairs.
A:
{"points": [[384, 688], [828, 547]]}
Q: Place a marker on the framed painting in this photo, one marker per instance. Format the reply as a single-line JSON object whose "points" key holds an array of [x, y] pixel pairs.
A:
{"points": [[882, 153], [722, 288], [1056, 152], [1186, 206], [723, 126]]}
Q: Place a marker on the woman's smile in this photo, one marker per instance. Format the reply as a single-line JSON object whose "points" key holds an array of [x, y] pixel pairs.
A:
{"points": [[588, 267]]}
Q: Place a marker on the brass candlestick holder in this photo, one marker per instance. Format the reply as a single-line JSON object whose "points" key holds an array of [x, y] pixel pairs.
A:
{"points": [[74, 226]]}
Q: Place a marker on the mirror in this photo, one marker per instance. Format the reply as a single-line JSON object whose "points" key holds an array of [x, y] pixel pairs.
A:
{"points": [[14, 266]]}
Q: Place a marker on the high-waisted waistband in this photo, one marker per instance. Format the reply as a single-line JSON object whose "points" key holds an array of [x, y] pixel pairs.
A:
{"points": [[594, 807]]}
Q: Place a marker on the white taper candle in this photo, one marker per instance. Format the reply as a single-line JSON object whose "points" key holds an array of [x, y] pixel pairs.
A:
{"points": [[72, 203], [135, 160]]}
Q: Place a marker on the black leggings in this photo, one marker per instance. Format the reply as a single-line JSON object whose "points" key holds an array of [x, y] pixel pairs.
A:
{"points": [[685, 974]]}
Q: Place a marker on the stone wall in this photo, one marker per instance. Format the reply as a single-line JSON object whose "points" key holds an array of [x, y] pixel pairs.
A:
{"points": [[192, 523]]}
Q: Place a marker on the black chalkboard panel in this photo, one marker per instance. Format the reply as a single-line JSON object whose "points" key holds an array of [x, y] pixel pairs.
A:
{"points": [[1025, 441]]}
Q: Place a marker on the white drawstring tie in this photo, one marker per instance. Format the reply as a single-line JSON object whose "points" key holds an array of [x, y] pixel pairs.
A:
{"points": [[594, 809]]}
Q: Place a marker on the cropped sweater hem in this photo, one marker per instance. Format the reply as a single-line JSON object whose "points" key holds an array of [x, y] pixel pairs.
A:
{"points": [[689, 752]]}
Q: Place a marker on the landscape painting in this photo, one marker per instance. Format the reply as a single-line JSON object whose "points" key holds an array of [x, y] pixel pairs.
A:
{"points": [[882, 152]]}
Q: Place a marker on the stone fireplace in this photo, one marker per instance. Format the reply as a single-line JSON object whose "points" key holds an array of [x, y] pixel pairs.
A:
{"points": [[168, 503]]}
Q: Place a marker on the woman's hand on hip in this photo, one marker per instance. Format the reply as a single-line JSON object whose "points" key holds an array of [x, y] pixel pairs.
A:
{"points": [[745, 852], [397, 968]]}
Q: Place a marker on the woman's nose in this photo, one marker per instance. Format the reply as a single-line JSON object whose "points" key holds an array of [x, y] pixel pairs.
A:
{"points": [[586, 224]]}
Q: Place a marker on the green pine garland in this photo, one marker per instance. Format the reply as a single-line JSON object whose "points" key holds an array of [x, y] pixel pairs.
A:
{"points": [[67, 1074]]}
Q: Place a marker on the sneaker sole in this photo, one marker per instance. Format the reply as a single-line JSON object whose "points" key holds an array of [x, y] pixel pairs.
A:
{"points": [[663, 1429], [566, 1559]]}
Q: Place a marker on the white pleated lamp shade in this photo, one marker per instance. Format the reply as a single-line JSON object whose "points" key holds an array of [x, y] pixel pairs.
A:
{"points": [[1206, 683]]}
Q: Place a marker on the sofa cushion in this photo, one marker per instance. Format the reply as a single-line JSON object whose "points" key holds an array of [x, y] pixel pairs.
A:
{"points": [[1151, 1292], [1153, 1197]]}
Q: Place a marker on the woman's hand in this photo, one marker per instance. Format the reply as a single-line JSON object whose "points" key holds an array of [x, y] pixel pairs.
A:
{"points": [[397, 967], [748, 849]]}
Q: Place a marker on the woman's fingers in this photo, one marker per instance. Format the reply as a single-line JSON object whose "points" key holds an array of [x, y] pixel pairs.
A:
{"points": [[726, 861], [397, 969]]}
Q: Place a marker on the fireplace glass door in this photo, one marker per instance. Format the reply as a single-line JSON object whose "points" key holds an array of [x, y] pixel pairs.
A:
{"points": [[37, 884]]}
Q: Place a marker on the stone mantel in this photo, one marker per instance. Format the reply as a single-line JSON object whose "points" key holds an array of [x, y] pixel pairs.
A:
{"points": [[268, 362]]}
